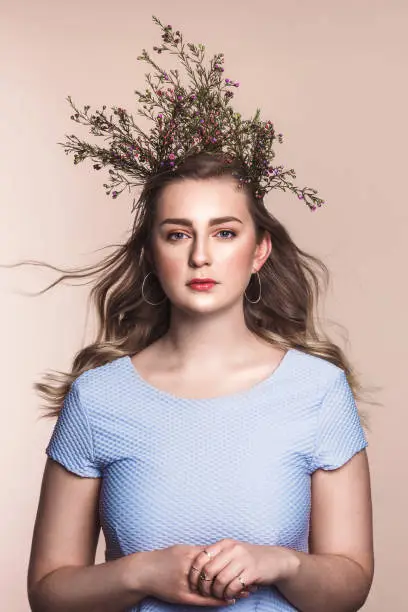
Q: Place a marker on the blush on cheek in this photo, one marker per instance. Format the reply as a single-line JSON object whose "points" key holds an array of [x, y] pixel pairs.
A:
{"points": [[239, 260], [172, 270]]}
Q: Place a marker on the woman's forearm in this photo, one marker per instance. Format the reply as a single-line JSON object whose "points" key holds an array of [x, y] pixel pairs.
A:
{"points": [[319, 583], [106, 587]]}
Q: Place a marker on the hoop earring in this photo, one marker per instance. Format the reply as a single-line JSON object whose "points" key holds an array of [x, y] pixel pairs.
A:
{"points": [[143, 296], [260, 287]]}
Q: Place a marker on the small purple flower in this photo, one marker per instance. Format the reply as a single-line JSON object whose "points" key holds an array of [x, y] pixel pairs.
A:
{"points": [[300, 196], [160, 116], [179, 97], [236, 84], [172, 163], [227, 80], [114, 194]]}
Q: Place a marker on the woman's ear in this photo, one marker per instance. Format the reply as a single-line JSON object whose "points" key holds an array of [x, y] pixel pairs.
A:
{"points": [[262, 251]]}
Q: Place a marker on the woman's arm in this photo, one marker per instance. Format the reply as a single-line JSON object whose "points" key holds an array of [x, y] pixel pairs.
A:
{"points": [[62, 576], [338, 572], [94, 588]]}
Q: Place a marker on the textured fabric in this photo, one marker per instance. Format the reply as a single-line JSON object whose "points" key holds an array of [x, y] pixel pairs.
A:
{"points": [[194, 471]]}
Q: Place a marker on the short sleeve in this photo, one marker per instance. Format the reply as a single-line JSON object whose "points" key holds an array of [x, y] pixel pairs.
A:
{"points": [[339, 433], [71, 440]]}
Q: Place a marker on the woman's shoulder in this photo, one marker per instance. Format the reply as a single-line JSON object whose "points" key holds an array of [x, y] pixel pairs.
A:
{"points": [[102, 377], [307, 367]]}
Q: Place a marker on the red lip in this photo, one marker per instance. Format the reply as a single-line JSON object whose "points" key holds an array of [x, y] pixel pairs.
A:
{"points": [[200, 281]]}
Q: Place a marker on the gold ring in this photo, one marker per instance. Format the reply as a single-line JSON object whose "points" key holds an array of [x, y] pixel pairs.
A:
{"points": [[202, 576], [241, 581]]}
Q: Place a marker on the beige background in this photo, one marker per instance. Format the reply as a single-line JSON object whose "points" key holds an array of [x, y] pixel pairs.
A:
{"points": [[332, 76]]}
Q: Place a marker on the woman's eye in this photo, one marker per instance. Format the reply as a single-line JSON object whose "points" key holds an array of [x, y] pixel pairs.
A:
{"points": [[228, 232], [173, 234], [169, 237]]}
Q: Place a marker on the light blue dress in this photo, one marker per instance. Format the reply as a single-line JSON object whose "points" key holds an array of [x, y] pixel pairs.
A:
{"points": [[194, 471]]}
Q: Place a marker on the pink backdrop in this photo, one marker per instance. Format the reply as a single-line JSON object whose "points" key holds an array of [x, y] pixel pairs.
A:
{"points": [[332, 76]]}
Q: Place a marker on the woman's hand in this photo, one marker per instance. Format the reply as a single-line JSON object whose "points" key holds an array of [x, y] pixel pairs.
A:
{"points": [[163, 573], [228, 566]]}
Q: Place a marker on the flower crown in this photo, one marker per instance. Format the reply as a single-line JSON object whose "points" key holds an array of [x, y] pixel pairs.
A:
{"points": [[187, 119]]}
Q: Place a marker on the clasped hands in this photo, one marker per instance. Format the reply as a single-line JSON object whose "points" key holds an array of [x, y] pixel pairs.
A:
{"points": [[230, 568]]}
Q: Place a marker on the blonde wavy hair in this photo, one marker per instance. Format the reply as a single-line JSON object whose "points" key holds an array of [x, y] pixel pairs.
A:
{"points": [[292, 283]]}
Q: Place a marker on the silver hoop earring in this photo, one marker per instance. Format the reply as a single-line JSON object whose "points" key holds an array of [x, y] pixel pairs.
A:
{"points": [[143, 296], [260, 287]]}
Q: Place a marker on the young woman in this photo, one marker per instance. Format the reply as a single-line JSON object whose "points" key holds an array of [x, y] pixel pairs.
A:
{"points": [[210, 430]]}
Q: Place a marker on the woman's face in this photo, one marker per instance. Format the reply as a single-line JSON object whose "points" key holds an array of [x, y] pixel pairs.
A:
{"points": [[190, 240]]}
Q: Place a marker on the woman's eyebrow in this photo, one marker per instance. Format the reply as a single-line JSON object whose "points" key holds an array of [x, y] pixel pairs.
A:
{"points": [[189, 223]]}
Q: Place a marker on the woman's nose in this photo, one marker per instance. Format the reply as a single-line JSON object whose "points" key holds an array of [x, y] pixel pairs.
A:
{"points": [[200, 251]]}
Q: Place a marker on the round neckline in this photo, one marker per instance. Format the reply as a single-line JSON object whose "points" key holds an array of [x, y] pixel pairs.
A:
{"points": [[167, 395]]}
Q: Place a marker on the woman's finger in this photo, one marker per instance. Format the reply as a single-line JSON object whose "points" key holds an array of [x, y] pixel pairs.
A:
{"points": [[197, 567]]}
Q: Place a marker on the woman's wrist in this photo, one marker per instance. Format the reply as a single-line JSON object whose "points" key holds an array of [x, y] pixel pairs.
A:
{"points": [[134, 575], [290, 565]]}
